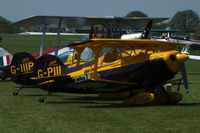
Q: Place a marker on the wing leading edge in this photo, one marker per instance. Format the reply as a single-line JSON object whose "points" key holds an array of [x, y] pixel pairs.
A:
{"points": [[151, 45], [75, 22]]}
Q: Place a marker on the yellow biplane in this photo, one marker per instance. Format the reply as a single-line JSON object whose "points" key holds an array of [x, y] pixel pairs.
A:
{"points": [[100, 27], [141, 67], [137, 68]]}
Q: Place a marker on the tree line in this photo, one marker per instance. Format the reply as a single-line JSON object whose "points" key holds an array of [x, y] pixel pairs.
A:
{"points": [[6, 28], [186, 21]]}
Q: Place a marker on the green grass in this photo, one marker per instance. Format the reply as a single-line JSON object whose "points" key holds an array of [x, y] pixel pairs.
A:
{"points": [[75, 113], [31, 43]]}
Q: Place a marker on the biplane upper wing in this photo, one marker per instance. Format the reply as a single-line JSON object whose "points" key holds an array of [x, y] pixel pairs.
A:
{"points": [[76, 22], [60, 22], [150, 45]]}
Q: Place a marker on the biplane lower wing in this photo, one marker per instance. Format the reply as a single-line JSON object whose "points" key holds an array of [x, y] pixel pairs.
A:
{"points": [[87, 86]]}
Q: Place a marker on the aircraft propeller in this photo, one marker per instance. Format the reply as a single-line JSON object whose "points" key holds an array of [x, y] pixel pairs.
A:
{"points": [[184, 77], [183, 71]]}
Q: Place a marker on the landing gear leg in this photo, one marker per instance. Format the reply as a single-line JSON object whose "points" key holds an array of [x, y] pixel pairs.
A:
{"points": [[41, 100], [166, 93], [16, 92], [178, 89]]}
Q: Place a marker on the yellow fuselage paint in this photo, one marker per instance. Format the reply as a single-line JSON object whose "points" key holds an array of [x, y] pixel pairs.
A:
{"points": [[169, 57], [173, 65]]}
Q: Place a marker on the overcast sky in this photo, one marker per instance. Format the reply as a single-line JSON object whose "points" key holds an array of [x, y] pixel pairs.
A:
{"points": [[14, 10]]}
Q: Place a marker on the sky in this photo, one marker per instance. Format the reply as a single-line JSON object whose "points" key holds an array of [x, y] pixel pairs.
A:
{"points": [[15, 10]]}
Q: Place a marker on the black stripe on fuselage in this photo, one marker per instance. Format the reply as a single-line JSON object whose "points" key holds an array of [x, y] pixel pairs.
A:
{"points": [[67, 70]]}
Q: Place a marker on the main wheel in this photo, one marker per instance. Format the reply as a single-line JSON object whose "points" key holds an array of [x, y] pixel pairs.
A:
{"points": [[15, 93], [41, 100]]}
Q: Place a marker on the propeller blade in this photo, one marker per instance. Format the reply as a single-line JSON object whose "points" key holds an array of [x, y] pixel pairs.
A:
{"points": [[184, 77]]}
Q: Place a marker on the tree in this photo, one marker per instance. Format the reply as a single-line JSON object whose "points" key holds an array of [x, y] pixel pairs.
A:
{"points": [[5, 26], [198, 29], [136, 14], [186, 21]]}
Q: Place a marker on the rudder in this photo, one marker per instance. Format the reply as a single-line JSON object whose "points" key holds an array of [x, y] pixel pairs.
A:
{"points": [[22, 67]]}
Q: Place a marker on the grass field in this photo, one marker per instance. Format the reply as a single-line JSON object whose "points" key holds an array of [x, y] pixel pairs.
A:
{"points": [[72, 113]]}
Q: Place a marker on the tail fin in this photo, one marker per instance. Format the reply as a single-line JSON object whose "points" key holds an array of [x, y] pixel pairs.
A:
{"points": [[48, 66], [147, 30], [49, 70], [22, 67]]}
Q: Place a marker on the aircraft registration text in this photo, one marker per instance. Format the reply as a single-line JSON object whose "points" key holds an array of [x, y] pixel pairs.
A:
{"points": [[23, 68], [50, 71]]}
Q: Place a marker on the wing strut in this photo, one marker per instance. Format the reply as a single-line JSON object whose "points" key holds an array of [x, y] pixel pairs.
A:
{"points": [[43, 38], [58, 36], [96, 60], [184, 77]]}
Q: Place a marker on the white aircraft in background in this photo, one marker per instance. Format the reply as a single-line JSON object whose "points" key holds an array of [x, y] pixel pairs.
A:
{"points": [[185, 51], [189, 44], [5, 60]]}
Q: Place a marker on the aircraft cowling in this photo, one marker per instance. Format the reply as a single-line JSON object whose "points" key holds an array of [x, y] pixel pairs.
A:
{"points": [[174, 60]]}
